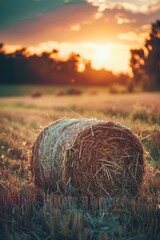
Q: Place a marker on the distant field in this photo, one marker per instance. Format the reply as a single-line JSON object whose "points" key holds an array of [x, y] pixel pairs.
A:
{"points": [[24, 90], [18, 90], [24, 211]]}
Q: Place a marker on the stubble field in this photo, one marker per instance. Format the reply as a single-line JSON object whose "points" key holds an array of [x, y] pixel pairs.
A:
{"points": [[26, 212]]}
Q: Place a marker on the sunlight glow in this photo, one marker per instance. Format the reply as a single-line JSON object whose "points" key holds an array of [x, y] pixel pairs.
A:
{"points": [[101, 57], [81, 67], [107, 56]]}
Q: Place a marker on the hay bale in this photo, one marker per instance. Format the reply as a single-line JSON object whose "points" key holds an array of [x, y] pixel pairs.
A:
{"points": [[60, 93], [74, 91], [36, 94], [88, 156]]}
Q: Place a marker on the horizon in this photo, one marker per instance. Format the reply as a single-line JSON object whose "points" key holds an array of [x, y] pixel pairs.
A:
{"points": [[100, 31]]}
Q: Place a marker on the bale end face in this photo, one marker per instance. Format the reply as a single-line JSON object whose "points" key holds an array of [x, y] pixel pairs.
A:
{"points": [[105, 160]]}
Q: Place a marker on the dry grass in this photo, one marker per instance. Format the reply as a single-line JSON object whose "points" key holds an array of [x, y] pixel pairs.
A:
{"points": [[27, 213]]}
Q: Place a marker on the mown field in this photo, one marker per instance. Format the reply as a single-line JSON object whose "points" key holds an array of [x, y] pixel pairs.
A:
{"points": [[26, 212]]}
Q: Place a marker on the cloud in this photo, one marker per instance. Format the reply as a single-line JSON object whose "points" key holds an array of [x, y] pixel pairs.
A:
{"points": [[84, 22], [75, 27], [154, 6], [104, 4], [62, 23], [98, 15], [135, 7], [133, 36], [121, 19], [15, 11]]}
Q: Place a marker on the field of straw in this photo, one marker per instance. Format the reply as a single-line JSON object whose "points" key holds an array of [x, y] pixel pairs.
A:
{"points": [[28, 212]]}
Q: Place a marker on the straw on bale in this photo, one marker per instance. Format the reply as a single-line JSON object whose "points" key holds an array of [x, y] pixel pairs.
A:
{"points": [[88, 157]]}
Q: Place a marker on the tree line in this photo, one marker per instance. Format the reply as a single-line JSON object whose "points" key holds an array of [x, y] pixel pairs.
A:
{"points": [[21, 67]]}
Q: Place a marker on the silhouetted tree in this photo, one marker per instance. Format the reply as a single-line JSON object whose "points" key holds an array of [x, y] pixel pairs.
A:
{"points": [[137, 64], [145, 63], [2, 63], [21, 67], [54, 53], [20, 53], [152, 62], [1, 47]]}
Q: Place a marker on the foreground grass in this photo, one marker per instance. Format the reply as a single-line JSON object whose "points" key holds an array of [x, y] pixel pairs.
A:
{"points": [[28, 213], [38, 216]]}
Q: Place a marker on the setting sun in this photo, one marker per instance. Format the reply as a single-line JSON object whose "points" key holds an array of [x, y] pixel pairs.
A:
{"points": [[101, 57]]}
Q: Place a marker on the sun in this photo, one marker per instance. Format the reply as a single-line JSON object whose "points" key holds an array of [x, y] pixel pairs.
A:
{"points": [[101, 56]]}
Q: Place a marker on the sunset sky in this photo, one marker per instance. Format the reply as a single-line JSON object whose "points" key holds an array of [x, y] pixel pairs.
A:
{"points": [[100, 30]]}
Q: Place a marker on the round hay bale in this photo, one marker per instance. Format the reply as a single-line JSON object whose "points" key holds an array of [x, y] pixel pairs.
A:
{"points": [[36, 94], [88, 157]]}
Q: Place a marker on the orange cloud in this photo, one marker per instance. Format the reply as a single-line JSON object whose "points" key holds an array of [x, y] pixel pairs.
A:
{"points": [[75, 27], [133, 36], [121, 19], [78, 27]]}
